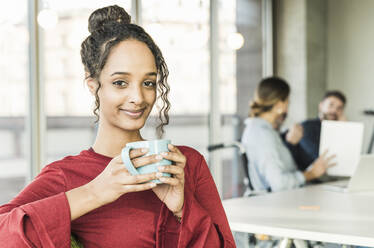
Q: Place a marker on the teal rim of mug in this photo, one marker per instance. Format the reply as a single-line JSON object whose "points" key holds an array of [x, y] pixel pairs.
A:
{"points": [[125, 154]]}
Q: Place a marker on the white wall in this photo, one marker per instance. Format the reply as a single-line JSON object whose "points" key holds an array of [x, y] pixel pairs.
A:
{"points": [[350, 56]]}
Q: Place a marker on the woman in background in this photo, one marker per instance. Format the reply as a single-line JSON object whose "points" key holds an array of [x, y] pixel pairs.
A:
{"points": [[92, 195], [271, 166]]}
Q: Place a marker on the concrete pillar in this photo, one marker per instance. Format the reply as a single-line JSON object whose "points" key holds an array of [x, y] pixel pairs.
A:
{"points": [[300, 46], [316, 54]]}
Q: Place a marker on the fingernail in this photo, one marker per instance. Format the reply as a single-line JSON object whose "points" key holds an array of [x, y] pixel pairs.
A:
{"points": [[153, 185], [164, 153], [158, 174], [160, 168], [144, 149], [158, 157]]}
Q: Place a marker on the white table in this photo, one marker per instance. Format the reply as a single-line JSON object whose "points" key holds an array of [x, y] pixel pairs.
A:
{"points": [[310, 213]]}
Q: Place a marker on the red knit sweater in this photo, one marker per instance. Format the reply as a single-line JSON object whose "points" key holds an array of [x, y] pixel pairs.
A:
{"points": [[40, 215]]}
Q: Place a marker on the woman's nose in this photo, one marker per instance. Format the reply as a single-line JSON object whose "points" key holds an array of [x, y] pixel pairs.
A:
{"points": [[136, 95]]}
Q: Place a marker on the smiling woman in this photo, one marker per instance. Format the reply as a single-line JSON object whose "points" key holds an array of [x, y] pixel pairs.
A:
{"points": [[92, 195], [124, 56], [127, 87]]}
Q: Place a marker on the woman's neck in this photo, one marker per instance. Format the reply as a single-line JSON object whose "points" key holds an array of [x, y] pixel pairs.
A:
{"points": [[269, 117], [110, 140]]}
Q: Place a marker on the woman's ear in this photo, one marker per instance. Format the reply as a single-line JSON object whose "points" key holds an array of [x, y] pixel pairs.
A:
{"points": [[278, 107], [92, 85]]}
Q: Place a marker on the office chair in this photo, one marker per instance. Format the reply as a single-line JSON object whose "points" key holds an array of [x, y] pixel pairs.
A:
{"points": [[247, 179], [253, 239]]}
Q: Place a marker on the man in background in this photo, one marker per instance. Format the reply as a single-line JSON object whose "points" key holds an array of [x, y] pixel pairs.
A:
{"points": [[303, 139]]}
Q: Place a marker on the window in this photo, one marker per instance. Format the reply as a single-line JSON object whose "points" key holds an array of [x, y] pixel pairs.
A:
{"points": [[181, 30], [13, 97], [68, 103]]}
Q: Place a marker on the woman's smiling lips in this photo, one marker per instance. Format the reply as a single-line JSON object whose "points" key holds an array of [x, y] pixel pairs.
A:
{"points": [[133, 113]]}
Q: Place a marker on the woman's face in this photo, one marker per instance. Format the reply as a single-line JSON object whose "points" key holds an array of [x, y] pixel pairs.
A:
{"points": [[280, 111], [284, 105], [128, 86], [281, 107]]}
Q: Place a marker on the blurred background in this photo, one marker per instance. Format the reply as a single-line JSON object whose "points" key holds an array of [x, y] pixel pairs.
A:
{"points": [[217, 51]]}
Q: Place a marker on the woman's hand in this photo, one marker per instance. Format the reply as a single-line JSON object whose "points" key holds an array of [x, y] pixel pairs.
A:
{"points": [[111, 183], [171, 192], [294, 134], [319, 166]]}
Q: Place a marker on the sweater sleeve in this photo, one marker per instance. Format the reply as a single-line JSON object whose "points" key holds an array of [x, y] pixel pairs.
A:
{"points": [[39, 216], [278, 172], [204, 222]]}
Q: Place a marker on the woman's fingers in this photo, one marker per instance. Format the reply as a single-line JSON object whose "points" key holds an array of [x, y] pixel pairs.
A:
{"points": [[134, 153], [138, 187], [328, 159], [138, 152], [172, 169], [173, 148], [119, 170], [138, 179], [138, 159], [141, 161], [331, 165], [170, 180], [175, 155], [116, 166], [324, 154]]}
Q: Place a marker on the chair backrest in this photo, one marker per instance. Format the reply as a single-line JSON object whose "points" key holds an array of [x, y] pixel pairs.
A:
{"points": [[247, 180], [243, 155]]}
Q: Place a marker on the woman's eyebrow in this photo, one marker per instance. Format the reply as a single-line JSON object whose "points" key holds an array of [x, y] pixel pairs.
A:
{"points": [[120, 73], [151, 74], [127, 73]]}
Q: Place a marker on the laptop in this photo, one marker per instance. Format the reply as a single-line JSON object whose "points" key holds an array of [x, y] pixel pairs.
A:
{"points": [[343, 139], [362, 179]]}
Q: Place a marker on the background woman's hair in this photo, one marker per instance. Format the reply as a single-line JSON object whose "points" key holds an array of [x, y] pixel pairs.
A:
{"points": [[108, 27], [270, 91]]}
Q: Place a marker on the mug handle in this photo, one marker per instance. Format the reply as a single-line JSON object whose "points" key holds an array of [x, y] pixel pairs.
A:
{"points": [[125, 155]]}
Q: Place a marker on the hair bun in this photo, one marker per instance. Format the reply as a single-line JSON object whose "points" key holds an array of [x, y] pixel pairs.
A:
{"points": [[107, 14], [254, 104]]}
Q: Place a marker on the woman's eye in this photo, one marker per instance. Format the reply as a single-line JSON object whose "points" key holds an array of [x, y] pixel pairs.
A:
{"points": [[120, 83], [149, 84]]}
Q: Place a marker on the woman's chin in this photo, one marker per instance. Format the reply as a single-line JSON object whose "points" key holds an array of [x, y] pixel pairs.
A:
{"points": [[135, 126]]}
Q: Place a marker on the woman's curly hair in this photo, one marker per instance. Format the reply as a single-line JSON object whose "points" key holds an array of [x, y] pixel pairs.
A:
{"points": [[108, 27]]}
